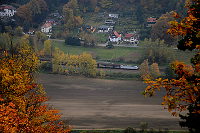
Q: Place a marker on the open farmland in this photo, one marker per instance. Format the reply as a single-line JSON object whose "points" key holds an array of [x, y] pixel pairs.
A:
{"points": [[121, 54], [99, 103], [101, 53]]}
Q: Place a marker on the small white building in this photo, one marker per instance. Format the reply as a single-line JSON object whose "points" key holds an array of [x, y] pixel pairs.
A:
{"points": [[131, 39], [46, 28], [111, 15], [7, 11], [109, 22], [105, 29], [115, 37]]}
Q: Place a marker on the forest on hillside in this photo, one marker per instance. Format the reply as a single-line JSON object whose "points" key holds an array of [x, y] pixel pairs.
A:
{"points": [[34, 11]]}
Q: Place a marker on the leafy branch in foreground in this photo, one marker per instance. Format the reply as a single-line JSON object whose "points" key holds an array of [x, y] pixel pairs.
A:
{"points": [[183, 92]]}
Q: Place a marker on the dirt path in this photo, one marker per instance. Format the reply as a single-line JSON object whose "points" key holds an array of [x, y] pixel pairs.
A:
{"points": [[96, 103]]}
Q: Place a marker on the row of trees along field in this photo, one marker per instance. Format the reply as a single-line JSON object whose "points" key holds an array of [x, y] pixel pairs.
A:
{"points": [[183, 91], [22, 100], [67, 64]]}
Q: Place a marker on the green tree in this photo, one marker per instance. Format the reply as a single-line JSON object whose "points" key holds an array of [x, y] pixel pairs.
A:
{"points": [[5, 41], [156, 51], [18, 31], [88, 38], [47, 48], [105, 4]]}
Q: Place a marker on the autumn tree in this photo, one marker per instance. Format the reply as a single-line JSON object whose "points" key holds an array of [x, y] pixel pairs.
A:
{"points": [[154, 70], [156, 51], [183, 92], [71, 15], [31, 12], [88, 38], [159, 30], [82, 64], [22, 107], [144, 70]]}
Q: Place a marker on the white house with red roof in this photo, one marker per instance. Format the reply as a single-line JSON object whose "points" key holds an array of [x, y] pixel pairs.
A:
{"points": [[46, 28], [131, 38], [7, 11], [115, 37]]}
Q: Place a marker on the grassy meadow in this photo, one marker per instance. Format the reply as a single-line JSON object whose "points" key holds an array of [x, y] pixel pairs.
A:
{"points": [[119, 54], [100, 53]]}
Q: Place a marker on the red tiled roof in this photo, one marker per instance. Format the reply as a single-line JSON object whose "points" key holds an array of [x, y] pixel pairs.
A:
{"points": [[129, 35], [6, 7], [151, 20], [117, 34], [46, 25]]}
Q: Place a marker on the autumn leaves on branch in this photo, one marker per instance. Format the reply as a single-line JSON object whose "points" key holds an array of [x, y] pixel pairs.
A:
{"points": [[22, 107], [183, 91]]}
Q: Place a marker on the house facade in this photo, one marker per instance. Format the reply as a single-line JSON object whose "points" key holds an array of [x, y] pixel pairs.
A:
{"points": [[46, 28], [115, 37], [109, 22], [112, 15], [131, 39], [151, 21], [7, 11], [105, 29]]}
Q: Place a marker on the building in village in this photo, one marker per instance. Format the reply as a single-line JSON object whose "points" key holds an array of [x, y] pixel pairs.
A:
{"points": [[131, 38], [110, 22], [7, 11], [46, 28], [115, 37], [151, 21], [105, 29], [52, 21], [112, 15]]}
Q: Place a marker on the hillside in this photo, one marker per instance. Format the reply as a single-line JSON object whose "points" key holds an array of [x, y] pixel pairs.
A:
{"points": [[137, 10]]}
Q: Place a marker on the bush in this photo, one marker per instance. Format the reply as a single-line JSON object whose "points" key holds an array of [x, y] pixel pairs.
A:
{"points": [[46, 67], [110, 45], [129, 130], [73, 41]]}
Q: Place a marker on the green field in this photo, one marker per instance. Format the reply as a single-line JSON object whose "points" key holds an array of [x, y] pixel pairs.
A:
{"points": [[100, 53], [120, 54]]}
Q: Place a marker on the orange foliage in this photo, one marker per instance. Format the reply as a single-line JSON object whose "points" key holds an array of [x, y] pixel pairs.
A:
{"points": [[22, 107], [180, 92], [183, 91]]}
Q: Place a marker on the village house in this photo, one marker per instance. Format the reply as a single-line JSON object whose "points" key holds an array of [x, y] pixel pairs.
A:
{"points": [[105, 29], [111, 15], [151, 21], [31, 32], [131, 39], [7, 11], [109, 22], [115, 37], [46, 28], [52, 21]]}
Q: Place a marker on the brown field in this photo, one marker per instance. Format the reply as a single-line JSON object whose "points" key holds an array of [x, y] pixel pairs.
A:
{"points": [[100, 104]]}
